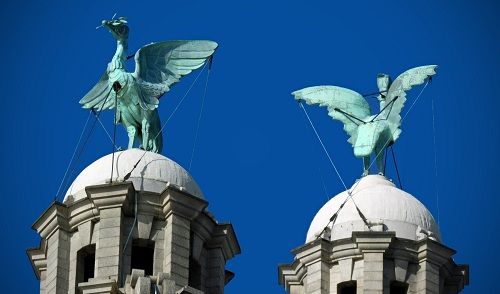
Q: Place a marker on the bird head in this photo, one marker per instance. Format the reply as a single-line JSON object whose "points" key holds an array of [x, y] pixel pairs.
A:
{"points": [[383, 83], [117, 27]]}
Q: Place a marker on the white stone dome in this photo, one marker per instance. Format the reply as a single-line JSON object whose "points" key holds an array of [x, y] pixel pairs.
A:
{"points": [[152, 173], [386, 208]]}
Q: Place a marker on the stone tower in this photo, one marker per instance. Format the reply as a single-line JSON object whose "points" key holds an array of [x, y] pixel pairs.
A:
{"points": [[150, 232], [382, 240]]}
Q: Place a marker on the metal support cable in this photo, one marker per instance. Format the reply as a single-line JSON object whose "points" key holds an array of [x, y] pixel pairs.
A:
{"points": [[130, 233], [114, 139], [435, 158], [180, 102], [72, 157], [323, 145], [168, 119], [388, 140], [200, 115], [385, 160], [105, 130], [334, 217], [323, 184], [396, 167], [350, 192], [65, 186]]}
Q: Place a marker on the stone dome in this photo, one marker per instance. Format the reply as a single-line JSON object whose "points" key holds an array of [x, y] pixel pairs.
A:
{"points": [[386, 208], [152, 174]]}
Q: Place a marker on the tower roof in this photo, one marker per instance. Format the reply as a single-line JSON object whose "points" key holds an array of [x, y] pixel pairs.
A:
{"points": [[385, 207], [152, 173]]}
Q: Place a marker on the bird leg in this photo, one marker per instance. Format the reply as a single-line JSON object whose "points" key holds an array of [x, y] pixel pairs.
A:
{"points": [[379, 153], [145, 134], [131, 132], [366, 166]]}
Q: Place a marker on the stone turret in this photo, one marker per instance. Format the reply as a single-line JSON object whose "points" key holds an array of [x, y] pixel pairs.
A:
{"points": [[150, 233], [382, 240]]}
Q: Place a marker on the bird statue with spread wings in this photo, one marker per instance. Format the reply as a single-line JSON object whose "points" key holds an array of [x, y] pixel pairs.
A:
{"points": [[369, 133], [136, 95]]}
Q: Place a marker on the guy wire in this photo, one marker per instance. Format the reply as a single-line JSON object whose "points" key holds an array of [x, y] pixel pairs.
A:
{"points": [[73, 156], [323, 145], [435, 158], [83, 146], [350, 192], [104, 128], [387, 142], [168, 119], [201, 113], [114, 138]]}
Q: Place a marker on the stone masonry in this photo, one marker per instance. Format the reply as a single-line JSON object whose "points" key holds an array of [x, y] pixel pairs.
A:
{"points": [[190, 248], [373, 261]]}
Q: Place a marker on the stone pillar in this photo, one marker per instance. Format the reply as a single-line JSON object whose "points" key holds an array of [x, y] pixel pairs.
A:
{"points": [[176, 252], [42, 281], [111, 200], [318, 278], [56, 280], [427, 278], [315, 257], [216, 271], [373, 246], [54, 228], [179, 209], [431, 256], [373, 272]]}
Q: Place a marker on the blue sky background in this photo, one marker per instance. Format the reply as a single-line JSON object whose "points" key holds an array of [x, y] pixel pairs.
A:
{"points": [[257, 160]]}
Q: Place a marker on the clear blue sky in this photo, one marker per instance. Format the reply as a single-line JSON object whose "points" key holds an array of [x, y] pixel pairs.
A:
{"points": [[257, 159]]}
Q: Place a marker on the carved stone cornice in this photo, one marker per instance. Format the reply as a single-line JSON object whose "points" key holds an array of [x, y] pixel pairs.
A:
{"points": [[224, 237], [38, 258], [373, 241], [111, 195], [314, 251], [54, 218], [433, 252], [291, 274], [181, 203]]}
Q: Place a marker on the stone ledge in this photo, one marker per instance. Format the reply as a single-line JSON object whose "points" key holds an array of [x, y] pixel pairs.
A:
{"points": [[99, 286]]}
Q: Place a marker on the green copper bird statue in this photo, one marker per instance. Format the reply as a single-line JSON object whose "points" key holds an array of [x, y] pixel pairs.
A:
{"points": [[369, 133], [136, 95]]}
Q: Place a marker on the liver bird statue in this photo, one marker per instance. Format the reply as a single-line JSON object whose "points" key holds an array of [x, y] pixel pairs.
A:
{"points": [[369, 133], [136, 94]]}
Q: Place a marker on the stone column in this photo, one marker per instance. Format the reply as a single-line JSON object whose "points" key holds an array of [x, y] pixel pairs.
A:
{"points": [[427, 278], [53, 226], [216, 271], [431, 256], [221, 246], [56, 280], [373, 246], [314, 256], [111, 200], [176, 252], [179, 209]]}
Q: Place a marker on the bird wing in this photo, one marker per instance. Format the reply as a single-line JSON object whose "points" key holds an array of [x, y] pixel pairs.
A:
{"points": [[159, 65], [342, 104], [100, 96], [403, 83]]}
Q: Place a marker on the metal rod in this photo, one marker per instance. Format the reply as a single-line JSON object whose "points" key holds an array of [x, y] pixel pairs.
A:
{"points": [[376, 93], [114, 139], [385, 107], [349, 115]]}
